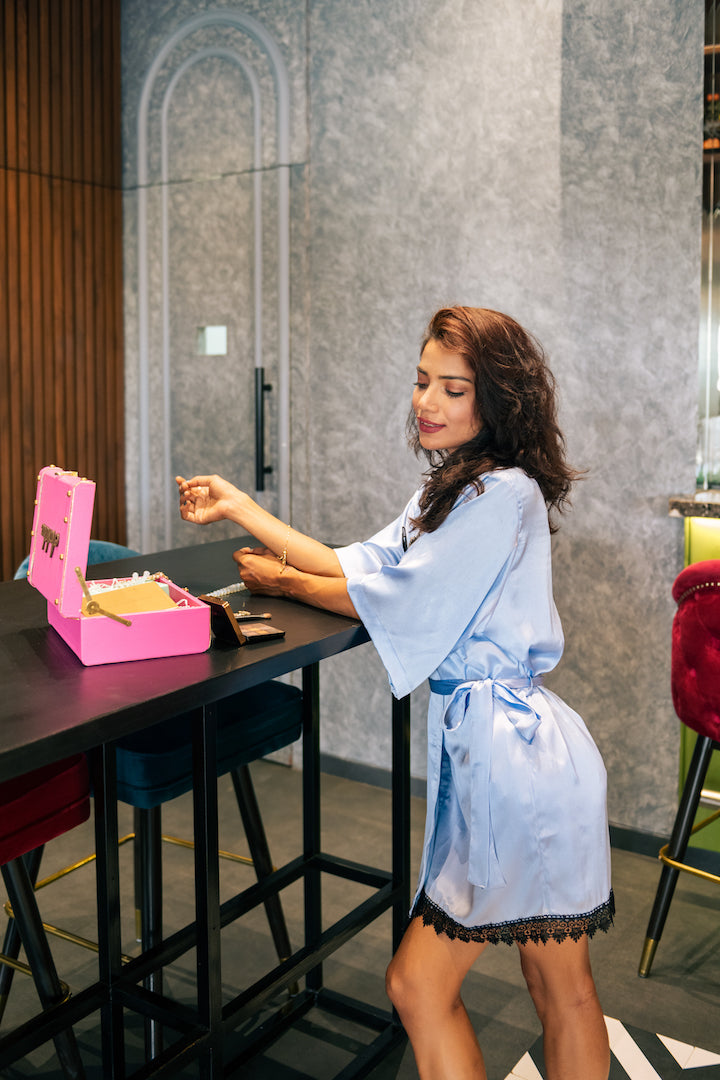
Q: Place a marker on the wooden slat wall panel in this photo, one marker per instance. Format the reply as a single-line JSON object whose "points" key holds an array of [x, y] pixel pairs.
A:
{"points": [[61, 347]]}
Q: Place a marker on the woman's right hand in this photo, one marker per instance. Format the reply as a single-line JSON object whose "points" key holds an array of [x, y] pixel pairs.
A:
{"points": [[207, 498]]}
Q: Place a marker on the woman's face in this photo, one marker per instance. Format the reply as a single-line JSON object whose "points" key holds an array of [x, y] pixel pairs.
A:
{"points": [[444, 399]]}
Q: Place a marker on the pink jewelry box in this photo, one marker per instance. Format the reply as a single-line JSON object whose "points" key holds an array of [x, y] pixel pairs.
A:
{"points": [[60, 539]]}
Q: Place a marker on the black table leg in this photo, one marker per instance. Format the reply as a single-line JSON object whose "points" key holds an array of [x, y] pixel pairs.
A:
{"points": [[102, 765], [148, 850], [311, 815], [207, 886]]}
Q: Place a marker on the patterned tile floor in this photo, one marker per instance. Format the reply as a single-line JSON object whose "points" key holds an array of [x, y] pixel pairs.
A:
{"points": [[636, 1055], [681, 999]]}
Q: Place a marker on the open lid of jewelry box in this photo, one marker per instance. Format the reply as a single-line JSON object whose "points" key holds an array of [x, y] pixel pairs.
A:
{"points": [[61, 537], [59, 549]]}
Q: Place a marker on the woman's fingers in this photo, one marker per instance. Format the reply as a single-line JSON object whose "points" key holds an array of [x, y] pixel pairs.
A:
{"points": [[259, 571], [252, 551], [195, 481]]}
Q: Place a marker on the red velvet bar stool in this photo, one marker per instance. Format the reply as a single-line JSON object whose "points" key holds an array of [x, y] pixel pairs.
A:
{"points": [[695, 683], [35, 808]]}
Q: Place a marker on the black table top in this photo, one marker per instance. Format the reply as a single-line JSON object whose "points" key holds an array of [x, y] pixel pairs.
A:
{"points": [[51, 705]]}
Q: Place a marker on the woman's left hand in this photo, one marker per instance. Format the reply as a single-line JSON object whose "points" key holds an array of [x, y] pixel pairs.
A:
{"points": [[260, 570], [266, 575]]}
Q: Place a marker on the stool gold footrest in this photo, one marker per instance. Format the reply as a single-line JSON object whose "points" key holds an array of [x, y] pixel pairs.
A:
{"points": [[60, 874], [231, 855], [85, 943], [58, 932], [665, 858], [24, 969]]}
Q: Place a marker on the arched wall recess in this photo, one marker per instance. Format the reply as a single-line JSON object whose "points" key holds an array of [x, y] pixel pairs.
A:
{"points": [[253, 29]]}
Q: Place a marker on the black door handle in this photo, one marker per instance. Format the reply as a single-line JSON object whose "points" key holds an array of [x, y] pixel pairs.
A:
{"points": [[261, 469]]}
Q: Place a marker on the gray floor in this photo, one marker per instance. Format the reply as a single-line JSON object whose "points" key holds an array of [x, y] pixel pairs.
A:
{"points": [[681, 999]]}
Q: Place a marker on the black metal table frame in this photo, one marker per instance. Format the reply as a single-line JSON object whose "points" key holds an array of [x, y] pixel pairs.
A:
{"points": [[204, 1029]]}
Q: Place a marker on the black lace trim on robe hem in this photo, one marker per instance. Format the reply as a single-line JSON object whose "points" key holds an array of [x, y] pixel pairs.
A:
{"points": [[537, 928]]}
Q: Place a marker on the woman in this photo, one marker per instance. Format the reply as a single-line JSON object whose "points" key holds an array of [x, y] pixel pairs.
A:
{"points": [[458, 590]]}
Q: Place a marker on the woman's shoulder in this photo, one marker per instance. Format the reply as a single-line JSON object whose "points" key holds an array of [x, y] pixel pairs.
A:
{"points": [[513, 483]]}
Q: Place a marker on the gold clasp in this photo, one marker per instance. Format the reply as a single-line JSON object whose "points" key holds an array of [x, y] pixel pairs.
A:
{"points": [[92, 607]]}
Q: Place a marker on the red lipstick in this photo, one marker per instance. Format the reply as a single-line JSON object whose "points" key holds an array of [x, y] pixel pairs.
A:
{"points": [[427, 427]]}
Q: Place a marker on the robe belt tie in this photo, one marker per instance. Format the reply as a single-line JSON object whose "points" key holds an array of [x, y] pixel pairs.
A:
{"points": [[480, 695]]}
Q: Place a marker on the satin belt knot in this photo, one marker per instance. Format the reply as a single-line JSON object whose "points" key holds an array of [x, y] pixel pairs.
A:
{"points": [[479, 696]]}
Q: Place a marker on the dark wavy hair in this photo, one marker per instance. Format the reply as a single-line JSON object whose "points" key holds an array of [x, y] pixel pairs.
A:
{"points": [[515, 400]]}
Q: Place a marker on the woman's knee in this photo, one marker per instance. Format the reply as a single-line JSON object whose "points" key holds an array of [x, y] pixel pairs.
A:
{"points": [[399, 985], [557, 987], [535, 985], [425, 976], [409, 990], [579, 994]]}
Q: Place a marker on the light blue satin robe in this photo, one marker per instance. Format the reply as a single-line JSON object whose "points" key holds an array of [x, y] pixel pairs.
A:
{"points": [[516, 790]]}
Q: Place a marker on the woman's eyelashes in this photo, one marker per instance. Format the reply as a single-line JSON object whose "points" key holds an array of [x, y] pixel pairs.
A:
{"points": [[450, 393]]}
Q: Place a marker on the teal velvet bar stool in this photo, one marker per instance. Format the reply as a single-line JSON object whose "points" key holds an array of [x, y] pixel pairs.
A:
{"points": [[155, 765]]}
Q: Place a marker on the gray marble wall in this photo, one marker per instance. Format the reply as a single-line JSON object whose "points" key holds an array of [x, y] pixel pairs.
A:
{"points": [[541, 158]]}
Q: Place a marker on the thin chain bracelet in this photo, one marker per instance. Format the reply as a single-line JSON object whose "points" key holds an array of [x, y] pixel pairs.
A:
{"points": [[283, 558]]}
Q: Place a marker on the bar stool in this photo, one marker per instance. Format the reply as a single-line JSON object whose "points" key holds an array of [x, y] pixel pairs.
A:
{"points": [[36, 808], [695, 684], [155, 765]]}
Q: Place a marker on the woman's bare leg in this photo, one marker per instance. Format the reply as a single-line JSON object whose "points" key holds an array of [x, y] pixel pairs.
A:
{"points": [[423, 982], [561, 985]]}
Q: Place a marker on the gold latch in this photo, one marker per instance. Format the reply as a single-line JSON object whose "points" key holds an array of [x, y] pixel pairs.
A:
{"points": [[92, 607]]}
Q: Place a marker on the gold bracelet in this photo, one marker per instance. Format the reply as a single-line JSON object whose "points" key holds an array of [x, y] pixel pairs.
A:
{"points": [[283, 558]]}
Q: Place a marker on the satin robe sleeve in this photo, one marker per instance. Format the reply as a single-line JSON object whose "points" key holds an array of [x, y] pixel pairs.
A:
{"points": [[384, 548], [416, 604]]}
